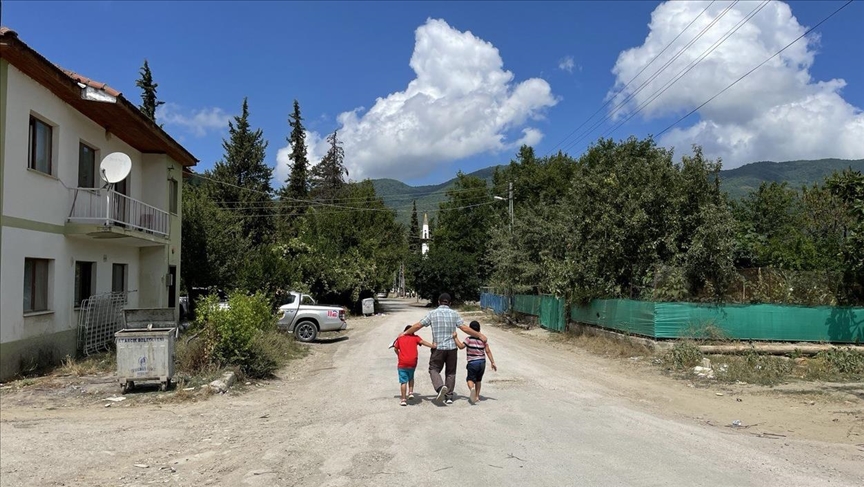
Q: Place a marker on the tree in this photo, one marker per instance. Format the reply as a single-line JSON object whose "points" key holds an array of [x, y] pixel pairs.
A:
{"points": [[149, 102], [848, 186], [414, 231], [297, 184], [213, 242], [348, 253], [447, 270], [461, 239], [326, 178], [243, 179]]}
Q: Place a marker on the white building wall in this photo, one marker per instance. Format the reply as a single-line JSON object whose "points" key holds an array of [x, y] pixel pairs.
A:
{"points": [[35, 207], [21, 185], [19, 244]]}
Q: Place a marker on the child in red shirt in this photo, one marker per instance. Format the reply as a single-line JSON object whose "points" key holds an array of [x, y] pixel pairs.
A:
{"points": [[406, 349]]}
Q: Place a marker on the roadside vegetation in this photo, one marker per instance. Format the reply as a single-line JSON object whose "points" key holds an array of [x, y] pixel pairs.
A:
{"points": [[242, 337], [684, 360]]}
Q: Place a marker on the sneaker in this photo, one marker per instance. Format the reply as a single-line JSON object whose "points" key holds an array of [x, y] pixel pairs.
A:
{"points": [[403, 403], [448, 401], [441, 393]]}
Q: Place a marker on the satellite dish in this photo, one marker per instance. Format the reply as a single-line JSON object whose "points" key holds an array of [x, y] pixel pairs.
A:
{"points": [[115, 167]]}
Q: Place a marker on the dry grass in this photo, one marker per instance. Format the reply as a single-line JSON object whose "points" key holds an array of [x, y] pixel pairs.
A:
{"points": [[606, 346], [90, 365]]}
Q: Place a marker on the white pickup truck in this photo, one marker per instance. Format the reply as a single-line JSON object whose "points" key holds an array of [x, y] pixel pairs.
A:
{"points": [[301, 316]]}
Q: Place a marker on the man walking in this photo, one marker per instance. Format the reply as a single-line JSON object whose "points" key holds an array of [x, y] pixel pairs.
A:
{"points": [[444, 321]]}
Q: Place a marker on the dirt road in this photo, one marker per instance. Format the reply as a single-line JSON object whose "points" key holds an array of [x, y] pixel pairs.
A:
{"points": [[551, 416]]}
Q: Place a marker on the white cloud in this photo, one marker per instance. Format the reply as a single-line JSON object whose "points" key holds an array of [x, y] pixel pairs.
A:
{"points": [[779, 112], [461, 103], [199, 122], [567, 64]]}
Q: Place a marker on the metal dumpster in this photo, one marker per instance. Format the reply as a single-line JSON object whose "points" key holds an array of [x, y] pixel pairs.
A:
{"points": [[145, 354], [369, 306]]}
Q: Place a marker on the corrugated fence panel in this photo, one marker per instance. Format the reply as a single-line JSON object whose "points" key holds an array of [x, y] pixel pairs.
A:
{"points": [[526, 304], [619, 314], [681, 320], [496, 302], [552, 313], [762, 322]]}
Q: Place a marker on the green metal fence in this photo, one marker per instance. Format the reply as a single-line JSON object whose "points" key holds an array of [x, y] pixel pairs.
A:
{"points": [[549, 309], [682, 320], [740, 322]]}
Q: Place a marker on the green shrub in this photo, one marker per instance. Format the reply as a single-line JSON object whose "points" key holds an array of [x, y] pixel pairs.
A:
{"points": [[754, 368], [271, 350], [242, 336], [683, 355], [843, 361]]}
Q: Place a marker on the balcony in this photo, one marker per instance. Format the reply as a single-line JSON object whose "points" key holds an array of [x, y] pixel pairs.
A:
{"points": [[117, 213]]}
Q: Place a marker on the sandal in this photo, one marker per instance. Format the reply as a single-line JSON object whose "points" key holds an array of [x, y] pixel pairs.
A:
{"points": [[403, 403], [410, 395]]}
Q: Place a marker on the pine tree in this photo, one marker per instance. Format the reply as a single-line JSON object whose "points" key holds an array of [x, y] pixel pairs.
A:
{"points": [[297, 184], [149, 102], [414, 231], [326, 180], [245, 178]]}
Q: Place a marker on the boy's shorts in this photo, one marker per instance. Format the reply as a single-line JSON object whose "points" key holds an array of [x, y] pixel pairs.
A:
{"points": [[476, 368], [406, 375]]}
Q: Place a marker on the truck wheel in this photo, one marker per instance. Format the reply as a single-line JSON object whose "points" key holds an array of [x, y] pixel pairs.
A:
{"points": [[306, 331]]}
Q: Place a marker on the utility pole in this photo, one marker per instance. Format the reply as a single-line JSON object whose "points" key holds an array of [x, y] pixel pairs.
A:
{"points": [[510, 197]]}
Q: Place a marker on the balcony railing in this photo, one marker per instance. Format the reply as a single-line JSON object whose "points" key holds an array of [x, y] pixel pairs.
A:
{"points": [[111, 208]]}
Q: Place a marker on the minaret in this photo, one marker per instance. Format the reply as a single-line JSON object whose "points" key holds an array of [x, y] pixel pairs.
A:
{"points": [[424, 236]]}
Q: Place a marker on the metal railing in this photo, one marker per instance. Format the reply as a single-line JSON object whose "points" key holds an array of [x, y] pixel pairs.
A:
{"points": [[94, 205]]}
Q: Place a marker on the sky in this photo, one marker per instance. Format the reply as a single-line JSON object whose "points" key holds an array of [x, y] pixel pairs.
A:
{"points": [[421, 90]]}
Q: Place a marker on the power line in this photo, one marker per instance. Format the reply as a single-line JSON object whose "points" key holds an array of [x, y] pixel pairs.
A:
{"points": [[645, 83], [394, 196], [709, 100], [689, 67], [331, 211], [631, 80]]}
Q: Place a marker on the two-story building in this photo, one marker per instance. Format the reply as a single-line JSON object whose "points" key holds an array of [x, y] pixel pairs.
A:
{"points": [[66, 236]]}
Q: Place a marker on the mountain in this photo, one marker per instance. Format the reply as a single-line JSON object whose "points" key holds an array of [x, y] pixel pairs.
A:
{"points": [[737, 182], [742, 180], [399, 195]]}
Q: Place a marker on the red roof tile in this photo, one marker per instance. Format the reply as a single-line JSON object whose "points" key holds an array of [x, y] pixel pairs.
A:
{"points": [[89, 82]]}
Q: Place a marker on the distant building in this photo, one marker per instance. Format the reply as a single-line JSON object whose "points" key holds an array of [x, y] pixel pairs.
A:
{"points": [[64, 236], [424, 236]]}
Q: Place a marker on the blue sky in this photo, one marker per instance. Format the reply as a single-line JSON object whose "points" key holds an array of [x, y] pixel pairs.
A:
{"points": [[463, 112]]}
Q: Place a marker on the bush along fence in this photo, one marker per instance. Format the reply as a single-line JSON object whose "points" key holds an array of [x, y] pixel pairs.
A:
{"points": [[764, 322]]}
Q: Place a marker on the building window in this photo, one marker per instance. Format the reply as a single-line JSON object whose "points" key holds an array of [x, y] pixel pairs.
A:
{"points": [[118, 278], [86, 166], [36, 285], [85, 281], [39, 153], [173, 195]]}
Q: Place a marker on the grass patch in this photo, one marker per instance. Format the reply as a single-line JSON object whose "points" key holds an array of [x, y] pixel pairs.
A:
{"points": [[90, 365], [465, 307], [267, 352], [683, 355], [753, 368], [607, 346]]}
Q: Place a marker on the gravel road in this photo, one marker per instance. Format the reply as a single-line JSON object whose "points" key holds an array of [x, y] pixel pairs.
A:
{"points": [[550, 417]]}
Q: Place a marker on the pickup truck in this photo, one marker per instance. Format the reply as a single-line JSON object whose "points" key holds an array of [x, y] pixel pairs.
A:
{"points": [[301, 316]]}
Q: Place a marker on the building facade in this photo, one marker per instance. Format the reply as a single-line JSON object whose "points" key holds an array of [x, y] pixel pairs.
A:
{"points": [[65, 236]]}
